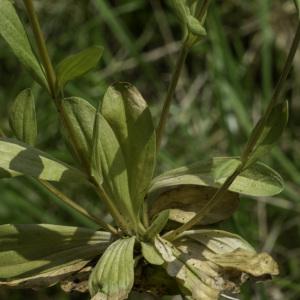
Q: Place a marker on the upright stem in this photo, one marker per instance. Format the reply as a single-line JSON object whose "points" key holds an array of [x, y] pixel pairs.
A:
{"points": [[51, 78], [221, 191], [276, 95], [42, 48], [170, 94]]}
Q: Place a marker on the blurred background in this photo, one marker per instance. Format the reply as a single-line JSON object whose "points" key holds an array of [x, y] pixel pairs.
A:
{"points": [[227, 82]]}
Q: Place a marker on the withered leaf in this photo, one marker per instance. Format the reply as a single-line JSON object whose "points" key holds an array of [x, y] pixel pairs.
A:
{"points": [[185, 201], [207, 263]]}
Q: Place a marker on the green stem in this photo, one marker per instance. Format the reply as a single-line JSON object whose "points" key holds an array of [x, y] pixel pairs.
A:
{"points": [[222, 190], [77, 207], [276, 95], [206, 209], [170, 94], [51, 78], [203, 10], [111, 207], [41, 44]]}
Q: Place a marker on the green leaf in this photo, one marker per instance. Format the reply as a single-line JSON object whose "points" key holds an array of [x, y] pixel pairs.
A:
{"points": [[151, 255], [130, 119], [185, 201], [113, 168], [77, 65], [257, 180], [41, 255], [96, 156], [19, 159], [218, 241], [79, 120], [158, 224], [14, 34], [113, 276], [23, 118], [271, 128]]}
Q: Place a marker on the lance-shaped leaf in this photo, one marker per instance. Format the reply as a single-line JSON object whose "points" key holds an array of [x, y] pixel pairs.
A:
{"points": [[77, 65], [14, 34], [79, 122], [23, 118], [97, 151], [107, 151], [268, 131], [184, 201], [113, 276], [130, 119], [209, 262], [19, 159], [157, 224], [257, 180], [34, 256]]}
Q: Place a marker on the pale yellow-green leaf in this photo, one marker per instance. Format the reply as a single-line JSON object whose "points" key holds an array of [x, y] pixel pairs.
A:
{"points": [[128, 114], [79, 122], [254, 264], [113, 276], [114, 172], [37, 255], [184, 201], [77, 65], [13, 32], [22, 117], [188, 277], [258, 180], [157, 224], [218, 241], [150, 254], [19, 159], [96, 151]]}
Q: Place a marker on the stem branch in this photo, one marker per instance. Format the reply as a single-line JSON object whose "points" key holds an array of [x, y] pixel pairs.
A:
{"points": [[77, 207], [57, 98], [206, 209], [249, 147], [170, 94], [41, 44]]}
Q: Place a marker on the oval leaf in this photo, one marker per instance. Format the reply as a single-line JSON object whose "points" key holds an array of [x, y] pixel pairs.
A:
{"points": [[14, 34], [79, 120], [113, 169], [151, 255], [258, 180], [113, 276], [36, 255], [77, 65], [127, 113], [185, 201], [19, 159], [23, 118]]}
